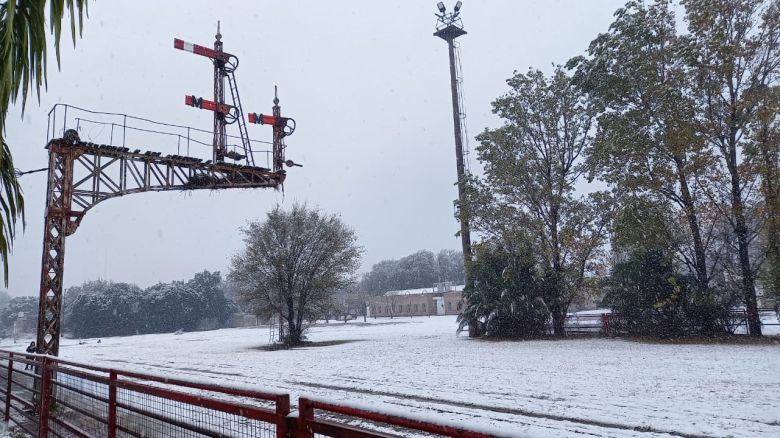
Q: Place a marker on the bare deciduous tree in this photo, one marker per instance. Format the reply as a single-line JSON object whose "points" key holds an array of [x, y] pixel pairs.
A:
{"points": [[293, 263]]}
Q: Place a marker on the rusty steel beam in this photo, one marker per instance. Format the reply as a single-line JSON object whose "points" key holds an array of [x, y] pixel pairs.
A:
{"points": [[83, 174]]}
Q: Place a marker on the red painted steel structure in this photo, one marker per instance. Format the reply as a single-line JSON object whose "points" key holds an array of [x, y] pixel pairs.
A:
{"points": [[82, 175], [90, 401], [199, 102], [282, 127], [117, 412], [309, 424]]}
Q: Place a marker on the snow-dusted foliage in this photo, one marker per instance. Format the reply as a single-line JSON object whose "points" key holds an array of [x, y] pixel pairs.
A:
{"points": [[420, 269], [102, 308], [293, 264], [508, 295]]}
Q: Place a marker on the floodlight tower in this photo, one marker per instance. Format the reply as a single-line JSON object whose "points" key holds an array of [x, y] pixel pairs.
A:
{"points": [[449, 27]]}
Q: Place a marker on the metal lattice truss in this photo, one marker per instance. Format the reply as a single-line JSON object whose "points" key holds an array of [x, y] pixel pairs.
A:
{"points": [[83, 174]]}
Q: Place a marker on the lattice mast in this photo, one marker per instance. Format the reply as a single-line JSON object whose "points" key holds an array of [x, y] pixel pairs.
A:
{"points": [[225, 65], [282, 127], [220, 135]]}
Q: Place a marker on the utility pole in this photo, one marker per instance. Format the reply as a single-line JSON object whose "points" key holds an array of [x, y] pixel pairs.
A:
{"points": [[449, 27]]}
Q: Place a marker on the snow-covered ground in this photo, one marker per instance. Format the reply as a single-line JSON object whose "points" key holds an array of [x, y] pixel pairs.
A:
{"points": [[596, 387]]}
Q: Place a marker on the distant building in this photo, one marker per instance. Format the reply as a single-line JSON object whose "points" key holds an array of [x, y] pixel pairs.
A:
{"points": [[441, 299]]}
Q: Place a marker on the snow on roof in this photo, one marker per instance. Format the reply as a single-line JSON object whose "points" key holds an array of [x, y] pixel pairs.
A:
{"points": [[423, 290]]}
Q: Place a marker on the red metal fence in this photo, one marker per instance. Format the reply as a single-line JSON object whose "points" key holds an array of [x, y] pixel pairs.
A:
{"points": [[46, 396], [335, 419]]}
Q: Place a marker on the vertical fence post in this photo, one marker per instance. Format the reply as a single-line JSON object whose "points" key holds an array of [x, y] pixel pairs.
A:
{"points": [[7, 412], [305, 414], [282, 411], [112, 404], [45, 400]]}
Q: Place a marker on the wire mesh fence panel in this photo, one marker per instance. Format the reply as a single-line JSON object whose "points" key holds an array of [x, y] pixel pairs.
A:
{"points": [[170, 415], [20, 393], [50, 397], [79, 405], [88, 401]]}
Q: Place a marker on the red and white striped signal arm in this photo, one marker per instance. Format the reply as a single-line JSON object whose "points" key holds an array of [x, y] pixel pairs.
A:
{"points": [[200, 50], [265, 119], [199, 102], [286, 123]]}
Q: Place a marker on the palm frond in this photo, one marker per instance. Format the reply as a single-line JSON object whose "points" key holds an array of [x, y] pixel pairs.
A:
{"points": [[23, 68]]}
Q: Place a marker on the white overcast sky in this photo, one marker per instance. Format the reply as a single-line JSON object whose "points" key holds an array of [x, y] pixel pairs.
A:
{"points": [[366, 81]]}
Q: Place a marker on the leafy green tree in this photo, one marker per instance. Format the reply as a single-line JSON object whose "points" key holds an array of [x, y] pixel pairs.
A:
{"points": [[382, 277], [532, 165], [650, 297], [293, 263], [418, 270], [734, 56], [209, 289], [648, 144], [643, 223], [4, 298], [104, 308], [23, 65], [765, 149], [449, 263], [112, 311], [15, 306], [72, 293]]}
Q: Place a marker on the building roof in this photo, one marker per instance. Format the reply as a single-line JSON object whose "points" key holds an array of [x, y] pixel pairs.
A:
{"points": [[424, 290]]}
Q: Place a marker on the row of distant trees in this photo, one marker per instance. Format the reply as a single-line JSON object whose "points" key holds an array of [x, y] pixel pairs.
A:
{"points": [[17, 313], [676, 118], [104, 308], [420, 269]]}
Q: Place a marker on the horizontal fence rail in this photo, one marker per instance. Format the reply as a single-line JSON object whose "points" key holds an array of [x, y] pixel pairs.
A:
{"points": [[339, 418], [44, 396]]}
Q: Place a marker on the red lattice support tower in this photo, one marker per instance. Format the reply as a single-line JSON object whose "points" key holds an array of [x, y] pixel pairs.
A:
{"points": [[106, 172]]}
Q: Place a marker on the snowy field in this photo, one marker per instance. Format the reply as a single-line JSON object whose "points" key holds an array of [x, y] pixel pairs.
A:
{"points": [[582, 387]]}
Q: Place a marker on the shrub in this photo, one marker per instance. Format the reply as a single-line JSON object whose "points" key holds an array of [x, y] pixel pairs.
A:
{"points": [[652, 298], [505, 300]]}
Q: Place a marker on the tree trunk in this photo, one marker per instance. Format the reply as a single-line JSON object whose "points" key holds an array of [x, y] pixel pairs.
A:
{"points": [[293, 337], [772, 202], [699, 252], [559, 319], [558, 310], [741, 231]]}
